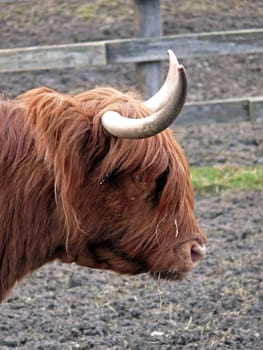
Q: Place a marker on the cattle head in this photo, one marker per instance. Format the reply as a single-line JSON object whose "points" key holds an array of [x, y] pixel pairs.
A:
{"points": [[122, 182]]}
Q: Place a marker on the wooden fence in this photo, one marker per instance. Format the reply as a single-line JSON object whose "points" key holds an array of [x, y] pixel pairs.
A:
{"points": [[146, 52]]}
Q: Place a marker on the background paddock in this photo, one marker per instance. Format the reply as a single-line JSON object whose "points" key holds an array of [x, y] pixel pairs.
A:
{"points": [[220, 305]]}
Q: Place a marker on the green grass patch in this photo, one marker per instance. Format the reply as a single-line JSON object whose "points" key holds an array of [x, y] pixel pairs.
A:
{"points": [[97, 10], [227, 177], [88, 11]]}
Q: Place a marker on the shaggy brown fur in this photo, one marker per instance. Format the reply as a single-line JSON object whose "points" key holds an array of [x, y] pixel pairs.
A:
{"points": [[71, 191]]}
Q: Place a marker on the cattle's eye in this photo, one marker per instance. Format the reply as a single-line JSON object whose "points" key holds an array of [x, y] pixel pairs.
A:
{"points": [[111, 178], [160, 184]]}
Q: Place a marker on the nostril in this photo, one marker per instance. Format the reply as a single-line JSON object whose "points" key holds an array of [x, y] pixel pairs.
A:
{"points": [[197, 253]]}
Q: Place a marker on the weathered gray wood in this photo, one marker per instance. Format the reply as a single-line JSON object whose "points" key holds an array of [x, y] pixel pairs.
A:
{"points": [[148, 24], [186, 46], [50, 57], [131, 50], [221, 111], [256, 108]]}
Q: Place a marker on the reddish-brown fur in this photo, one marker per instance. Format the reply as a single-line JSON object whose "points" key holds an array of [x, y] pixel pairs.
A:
{"points": [[71, 191]]}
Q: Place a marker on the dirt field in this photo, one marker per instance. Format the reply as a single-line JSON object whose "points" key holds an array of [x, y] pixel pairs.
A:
{"points": [[220, 305]]}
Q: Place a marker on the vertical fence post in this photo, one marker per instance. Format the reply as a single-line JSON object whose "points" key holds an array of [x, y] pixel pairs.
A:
{"points": [[148, 24]]}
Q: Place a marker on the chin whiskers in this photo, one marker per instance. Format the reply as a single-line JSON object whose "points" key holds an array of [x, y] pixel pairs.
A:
{"points": [[170, 275]]}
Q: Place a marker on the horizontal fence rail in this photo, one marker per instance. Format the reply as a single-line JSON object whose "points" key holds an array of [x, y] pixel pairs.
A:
{"points": [[52, 57], [222, 111], [186, 46], [151, 50], [131, 50]]}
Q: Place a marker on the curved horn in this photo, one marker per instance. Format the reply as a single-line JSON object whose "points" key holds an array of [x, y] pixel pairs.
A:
{"points": [[161, 98], [166, 104]]}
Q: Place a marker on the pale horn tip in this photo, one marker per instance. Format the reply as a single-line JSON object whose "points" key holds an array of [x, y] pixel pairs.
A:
{"points": [[173, 60]]}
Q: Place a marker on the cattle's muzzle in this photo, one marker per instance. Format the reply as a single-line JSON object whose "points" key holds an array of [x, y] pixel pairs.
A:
{"points": [[188, 255], [183, 259]]}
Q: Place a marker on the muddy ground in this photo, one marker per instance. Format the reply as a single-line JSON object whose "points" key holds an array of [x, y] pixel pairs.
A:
{"points": [[219, 306]]}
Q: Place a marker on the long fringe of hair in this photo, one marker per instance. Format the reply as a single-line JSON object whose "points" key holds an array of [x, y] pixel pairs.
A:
{"points": [[72, 141]]}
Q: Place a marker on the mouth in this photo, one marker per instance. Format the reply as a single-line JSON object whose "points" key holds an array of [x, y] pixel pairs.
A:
{"points": [[167, 275]]}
